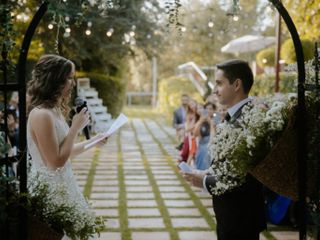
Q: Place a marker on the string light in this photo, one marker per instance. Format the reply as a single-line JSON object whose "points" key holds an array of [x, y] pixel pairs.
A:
{"points": [[89, 24], [68, 30], [67, 18], [235, 18], [110, 32], [148, 36], [50, 26], [132, 34], [210, 24], [88, 32], [183, 29]]}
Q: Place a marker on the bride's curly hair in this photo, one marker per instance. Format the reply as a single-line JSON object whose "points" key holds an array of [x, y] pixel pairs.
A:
{"points": [[49, 78]]}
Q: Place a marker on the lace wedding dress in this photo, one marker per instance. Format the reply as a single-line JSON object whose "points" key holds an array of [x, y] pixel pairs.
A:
{"points": [[62, 186]]}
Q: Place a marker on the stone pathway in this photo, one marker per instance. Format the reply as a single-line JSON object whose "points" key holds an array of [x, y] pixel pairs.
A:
{"points": [[135, 185]]}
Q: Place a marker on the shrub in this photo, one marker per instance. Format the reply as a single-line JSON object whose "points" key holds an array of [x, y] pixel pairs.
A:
{"points": [[111, 90], [268, 55], [288, 51], [170, 91], [264, 84]]}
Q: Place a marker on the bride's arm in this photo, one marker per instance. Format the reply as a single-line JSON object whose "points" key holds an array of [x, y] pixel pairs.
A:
{"points": [[78, 148], [44, 134]]}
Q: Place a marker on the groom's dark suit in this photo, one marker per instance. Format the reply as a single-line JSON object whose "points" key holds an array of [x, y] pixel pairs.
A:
{"points": [[239, 212]]}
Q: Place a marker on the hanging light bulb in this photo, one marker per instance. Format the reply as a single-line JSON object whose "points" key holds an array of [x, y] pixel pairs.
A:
{"points": [[88, 32], [110, 32], [67, 18], [183, 29], [89, 24], [132, 34], [210, 24], [68, 30], [235, 18], [50, 26]]}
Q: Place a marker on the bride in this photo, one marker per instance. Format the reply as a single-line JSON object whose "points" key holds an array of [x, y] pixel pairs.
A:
{"points": [[51, 142]]}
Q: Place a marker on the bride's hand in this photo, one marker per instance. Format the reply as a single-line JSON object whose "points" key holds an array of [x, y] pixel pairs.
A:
{"points": [[102, 141], [80, 120]]}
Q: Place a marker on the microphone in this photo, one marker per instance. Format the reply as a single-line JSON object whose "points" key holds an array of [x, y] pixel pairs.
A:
{"points": [[80, 104]]}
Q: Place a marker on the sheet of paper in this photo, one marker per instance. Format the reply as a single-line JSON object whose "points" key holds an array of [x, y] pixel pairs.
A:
{"points": [[119, 122], [185, 167]]}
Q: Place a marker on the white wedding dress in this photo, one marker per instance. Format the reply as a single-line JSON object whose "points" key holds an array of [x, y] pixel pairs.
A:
{"points": [[62, 183]]}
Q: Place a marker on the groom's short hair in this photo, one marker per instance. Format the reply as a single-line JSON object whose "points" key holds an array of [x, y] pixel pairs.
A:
{"points": [[236, 68]]}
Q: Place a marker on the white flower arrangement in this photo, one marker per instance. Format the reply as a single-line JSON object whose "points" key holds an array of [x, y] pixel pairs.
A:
{"points": [[237, 147], [52, 204]]}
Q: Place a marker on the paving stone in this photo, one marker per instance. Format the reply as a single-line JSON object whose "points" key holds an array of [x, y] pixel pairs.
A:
{"points": [[162, 172], [110, 236], [143, 212], [106, 172], [171, 189], [104, 177], [189, 222], [82, 183], [146, 223], [136, 177], [105, 189], [206, 202], [106, 195], [166, 177], [285, 235], [210, 210], [177, 212], [150, 235], [142, 203], [203, 194], [81, 177], [112, 223], [178, 203], [160, 167], [137, 183], [110, 212], [168, 183], [105, 203], [139, 189], [106, 182], [147, 195], [198, 235], [175, 195]]}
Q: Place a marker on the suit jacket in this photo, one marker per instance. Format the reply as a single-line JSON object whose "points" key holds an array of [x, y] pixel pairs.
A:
{"points": [[240, 211], [179, 117]]}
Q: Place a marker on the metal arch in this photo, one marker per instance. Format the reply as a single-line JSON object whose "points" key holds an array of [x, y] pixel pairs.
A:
{"points": [[21, 70], [301, 111]]}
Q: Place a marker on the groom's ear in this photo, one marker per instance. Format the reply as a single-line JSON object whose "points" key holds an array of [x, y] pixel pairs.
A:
{"points": [[238, 85]]}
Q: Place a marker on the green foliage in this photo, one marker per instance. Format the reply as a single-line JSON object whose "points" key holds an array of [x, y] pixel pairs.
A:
{"points": [[288, 52], [111, 90], [170, 91], [264, 84], [267, 54]]}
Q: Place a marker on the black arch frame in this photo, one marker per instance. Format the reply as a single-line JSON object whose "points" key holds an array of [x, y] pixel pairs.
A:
{"points": [[21, 86]]}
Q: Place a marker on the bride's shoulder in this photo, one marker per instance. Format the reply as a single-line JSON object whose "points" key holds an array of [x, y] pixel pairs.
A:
{"points": [[38, 115]]}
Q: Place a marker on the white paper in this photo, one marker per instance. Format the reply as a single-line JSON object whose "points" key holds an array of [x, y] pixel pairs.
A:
{"points": [[119, 122], [185, 167]]}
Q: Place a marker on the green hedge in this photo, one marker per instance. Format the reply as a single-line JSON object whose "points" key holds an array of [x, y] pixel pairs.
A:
{"points": [[264, 84], [170, 91], [288, 52], [268, 55], [110, 89]]}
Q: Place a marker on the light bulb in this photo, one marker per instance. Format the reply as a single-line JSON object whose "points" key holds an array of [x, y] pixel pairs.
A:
{"points": [[88, 32], [50, 26], [235, 18], [132, 33], [68, 30], [210, 24]]}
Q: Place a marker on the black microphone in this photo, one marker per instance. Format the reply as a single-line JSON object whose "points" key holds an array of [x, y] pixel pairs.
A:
{"points": [[80, 104]]}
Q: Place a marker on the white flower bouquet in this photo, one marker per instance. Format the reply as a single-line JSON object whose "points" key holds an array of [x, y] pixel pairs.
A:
{"points": [[51, 204], [238, 147]]}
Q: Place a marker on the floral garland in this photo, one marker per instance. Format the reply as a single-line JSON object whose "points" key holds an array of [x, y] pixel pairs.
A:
{"points": [[238, 147]]}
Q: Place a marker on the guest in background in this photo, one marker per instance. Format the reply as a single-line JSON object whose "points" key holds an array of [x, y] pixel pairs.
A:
{"points": [[202, 132], [179, 119]]}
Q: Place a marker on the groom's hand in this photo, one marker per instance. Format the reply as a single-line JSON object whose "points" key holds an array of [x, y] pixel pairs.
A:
{"points": [[196, 179]]}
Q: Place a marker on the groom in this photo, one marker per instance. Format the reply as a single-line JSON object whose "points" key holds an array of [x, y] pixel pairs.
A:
{"points": [[240, 211]]}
